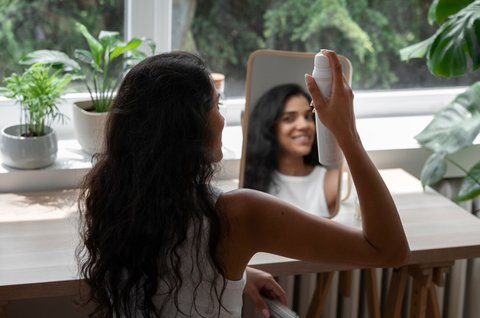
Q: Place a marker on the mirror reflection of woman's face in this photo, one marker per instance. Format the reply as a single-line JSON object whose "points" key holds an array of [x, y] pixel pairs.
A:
{"points": [[295, 128]]}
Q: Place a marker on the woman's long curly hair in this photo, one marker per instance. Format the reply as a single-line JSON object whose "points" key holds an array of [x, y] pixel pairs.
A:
{"points": [[149, 188], [262, 143]]}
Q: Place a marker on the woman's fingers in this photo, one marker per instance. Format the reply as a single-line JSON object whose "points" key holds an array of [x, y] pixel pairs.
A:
{"points": [[317, 97], [336, 67]]}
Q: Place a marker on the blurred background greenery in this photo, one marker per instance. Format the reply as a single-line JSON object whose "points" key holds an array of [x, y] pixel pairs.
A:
{"points": [[369, 32], [27, 25]]}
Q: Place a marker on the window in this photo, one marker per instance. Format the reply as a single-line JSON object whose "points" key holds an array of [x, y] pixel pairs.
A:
{"points": [[369, 32]]}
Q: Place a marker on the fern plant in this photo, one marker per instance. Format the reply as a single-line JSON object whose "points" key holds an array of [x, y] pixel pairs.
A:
{"points": [[37, 91]]}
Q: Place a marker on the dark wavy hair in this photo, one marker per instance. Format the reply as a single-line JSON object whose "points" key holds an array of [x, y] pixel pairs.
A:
{"points": [[149, 188], [262, 145]]}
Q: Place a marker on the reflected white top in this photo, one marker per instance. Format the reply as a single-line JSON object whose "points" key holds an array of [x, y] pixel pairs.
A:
{"points": [[306, 192]]}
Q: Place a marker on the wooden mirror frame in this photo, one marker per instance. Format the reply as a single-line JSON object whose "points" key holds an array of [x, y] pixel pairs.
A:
{"points": [[269, 68]]}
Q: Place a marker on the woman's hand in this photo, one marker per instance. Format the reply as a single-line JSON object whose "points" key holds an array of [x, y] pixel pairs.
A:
{"points": [[335, 112], [260, 283]]}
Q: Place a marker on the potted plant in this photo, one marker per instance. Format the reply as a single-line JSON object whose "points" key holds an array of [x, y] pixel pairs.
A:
{"points": [[451, 51], [101, 67], [32, 144]]}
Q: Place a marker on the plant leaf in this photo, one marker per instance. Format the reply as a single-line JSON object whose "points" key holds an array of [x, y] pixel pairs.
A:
{"points": [[95, 46], [434, 169], [458, 36], [470, 187], [86, 57], [51, 57], [151, 44], [446, 8], [456, 126], [432, 12], [417, 50], [132, 44], [109, 38]]}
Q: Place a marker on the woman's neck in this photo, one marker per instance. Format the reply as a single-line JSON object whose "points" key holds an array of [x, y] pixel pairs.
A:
{"points": [[293, 166]]}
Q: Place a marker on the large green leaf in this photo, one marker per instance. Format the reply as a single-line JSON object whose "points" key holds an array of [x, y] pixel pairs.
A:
{"points": [[456, 42], [470, 187], [51, 57], [434, 169], [95, 46], [132, 44], [417, 50], [458, 37], [109, 38], [445, 8], [432, 12], [456, 126], [86, 57]]}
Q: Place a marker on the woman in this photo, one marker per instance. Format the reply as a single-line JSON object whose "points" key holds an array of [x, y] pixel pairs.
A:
{"points": [[282, 157], [159, 241]]}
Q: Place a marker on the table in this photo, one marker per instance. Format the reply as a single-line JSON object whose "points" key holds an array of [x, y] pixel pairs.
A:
{"points": [[438, 231], [38, 238]]}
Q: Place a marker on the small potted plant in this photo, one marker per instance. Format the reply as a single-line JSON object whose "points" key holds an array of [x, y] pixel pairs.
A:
{"points": [[32, 143], [101, 67]]}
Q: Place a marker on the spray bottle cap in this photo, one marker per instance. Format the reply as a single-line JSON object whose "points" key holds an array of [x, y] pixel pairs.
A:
{"points": [[321, 61]]}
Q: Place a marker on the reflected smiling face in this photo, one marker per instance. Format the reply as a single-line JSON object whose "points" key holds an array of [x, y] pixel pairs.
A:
{"points": [[295, 129]]}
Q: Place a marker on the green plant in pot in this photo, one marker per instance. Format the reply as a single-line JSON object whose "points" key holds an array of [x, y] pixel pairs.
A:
{"points": [[453, 50], [101, 67], [32, 143]]}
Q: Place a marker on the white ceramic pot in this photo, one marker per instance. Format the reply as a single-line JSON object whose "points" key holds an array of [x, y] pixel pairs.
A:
{"points": [[28, 152], [89, 127]]}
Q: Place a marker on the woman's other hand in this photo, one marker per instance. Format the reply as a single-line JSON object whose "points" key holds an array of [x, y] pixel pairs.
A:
{"points": [[261, 284]]}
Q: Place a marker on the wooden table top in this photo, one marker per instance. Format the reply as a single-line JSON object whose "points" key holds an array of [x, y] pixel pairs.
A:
{"points": [[38, 237], [437, 229]]}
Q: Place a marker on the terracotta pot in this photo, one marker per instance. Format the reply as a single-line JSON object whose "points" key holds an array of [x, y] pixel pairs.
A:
{"points": [[28, 152], [89, 126]]}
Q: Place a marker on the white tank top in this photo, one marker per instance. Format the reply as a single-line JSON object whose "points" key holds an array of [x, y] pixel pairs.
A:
{"points": [[305, 192], [204, 304]]}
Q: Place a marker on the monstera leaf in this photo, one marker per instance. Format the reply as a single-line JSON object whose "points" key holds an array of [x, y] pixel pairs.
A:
{"points": [[455, 42], [456, 126], [449, 52], [470, 187], [451, 130], [434, 169], [442, 9]]}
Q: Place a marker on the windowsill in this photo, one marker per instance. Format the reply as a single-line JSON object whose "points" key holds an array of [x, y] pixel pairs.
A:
{"points": [[389, 141], [387, 122], [73, 163]]}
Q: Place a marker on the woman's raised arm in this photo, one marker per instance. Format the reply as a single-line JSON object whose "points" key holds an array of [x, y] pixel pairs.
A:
{"points": [[264, 223]]}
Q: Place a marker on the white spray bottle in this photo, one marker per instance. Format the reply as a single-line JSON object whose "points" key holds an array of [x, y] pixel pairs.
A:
{"points": [[329, 153]]}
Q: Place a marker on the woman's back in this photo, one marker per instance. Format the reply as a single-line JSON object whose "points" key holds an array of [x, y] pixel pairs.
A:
{"points": [[200, 282]]}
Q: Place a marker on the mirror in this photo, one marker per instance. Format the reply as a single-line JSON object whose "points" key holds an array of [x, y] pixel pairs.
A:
{"points": [[268, 73]]}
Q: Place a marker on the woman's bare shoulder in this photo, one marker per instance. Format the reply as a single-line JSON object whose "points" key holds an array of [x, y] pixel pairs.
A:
{"points": [[243, 194], [247, 198], [242, 200]]}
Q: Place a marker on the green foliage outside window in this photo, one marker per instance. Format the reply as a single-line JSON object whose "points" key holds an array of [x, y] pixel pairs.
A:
{"points": [[369, 32], [26, 26]]}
